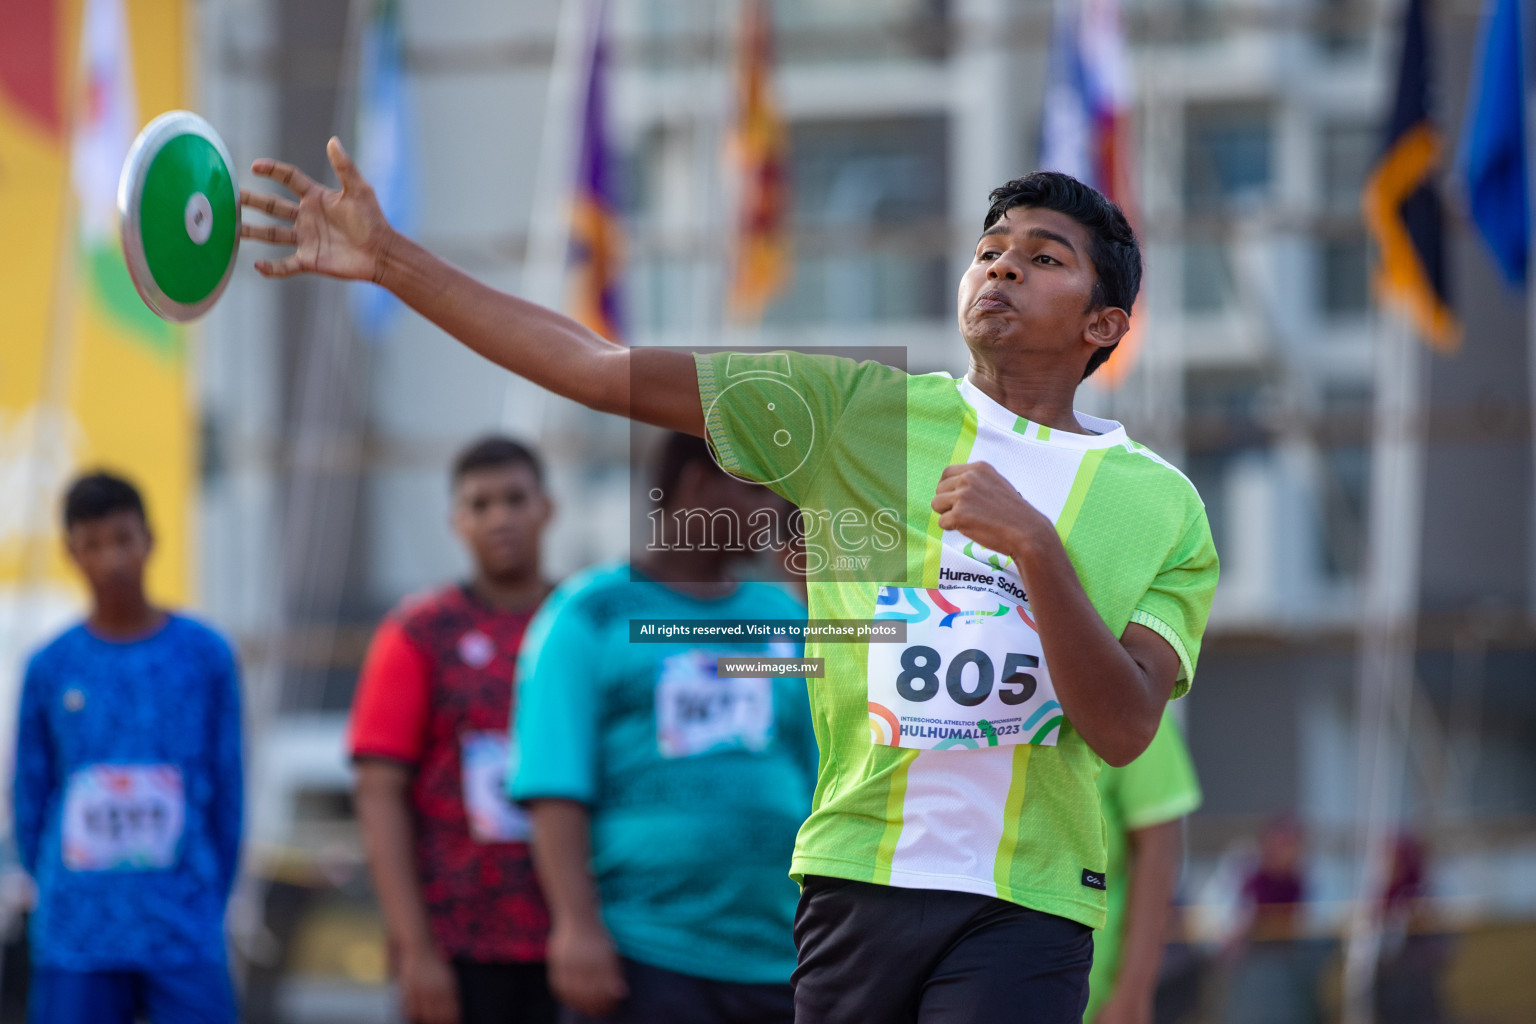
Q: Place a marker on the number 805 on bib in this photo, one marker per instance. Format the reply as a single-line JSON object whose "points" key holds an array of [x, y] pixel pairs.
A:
{"points": [[918, 679], [966, 686]]}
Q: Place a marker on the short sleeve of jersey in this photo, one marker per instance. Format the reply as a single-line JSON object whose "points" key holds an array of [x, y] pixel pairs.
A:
{"points": [[1178, 603], [1160, 785], [389, 712], [771, 415], [555, 727]]}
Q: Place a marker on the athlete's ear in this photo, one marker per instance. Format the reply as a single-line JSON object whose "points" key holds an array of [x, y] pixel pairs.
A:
{"points": [[1107, 326]]}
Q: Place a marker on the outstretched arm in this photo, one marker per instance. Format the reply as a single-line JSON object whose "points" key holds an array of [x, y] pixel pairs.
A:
{"points": [[343, 233]]}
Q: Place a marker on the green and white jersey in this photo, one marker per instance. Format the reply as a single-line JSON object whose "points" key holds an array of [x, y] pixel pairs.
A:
{"points": [[945, 761]]}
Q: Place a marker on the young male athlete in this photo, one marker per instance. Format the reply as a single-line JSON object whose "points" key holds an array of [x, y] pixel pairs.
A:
{"points": [[1144, 806], [128, 790], [448, 850], [665, 797], [1054, 576]]}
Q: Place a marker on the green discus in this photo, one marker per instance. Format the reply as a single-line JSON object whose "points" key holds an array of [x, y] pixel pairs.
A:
{"points": [[180, 215]]}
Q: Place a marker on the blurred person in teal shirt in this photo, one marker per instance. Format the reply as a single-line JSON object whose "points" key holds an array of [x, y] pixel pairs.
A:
{"points": [[665, 798]]}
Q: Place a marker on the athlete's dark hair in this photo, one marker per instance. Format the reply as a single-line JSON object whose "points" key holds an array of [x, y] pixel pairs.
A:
{"points": [[100, 494], [677, 453], [492, 452], [1113, 250]]}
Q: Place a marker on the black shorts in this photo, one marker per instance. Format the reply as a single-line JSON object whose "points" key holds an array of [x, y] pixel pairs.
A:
{"points": [[658, 996], [504, 993], [877, 954]]}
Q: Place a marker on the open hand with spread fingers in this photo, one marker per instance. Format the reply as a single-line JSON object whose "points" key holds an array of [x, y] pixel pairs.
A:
{"points": [[337, 233]]}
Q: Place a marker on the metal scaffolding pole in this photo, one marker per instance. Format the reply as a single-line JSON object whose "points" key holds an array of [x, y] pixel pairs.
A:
{"points": [[525, 406], [1389, 612]]}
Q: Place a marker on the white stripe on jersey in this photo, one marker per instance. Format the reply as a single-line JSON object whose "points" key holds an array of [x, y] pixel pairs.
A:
{"points": [[952, 814]]}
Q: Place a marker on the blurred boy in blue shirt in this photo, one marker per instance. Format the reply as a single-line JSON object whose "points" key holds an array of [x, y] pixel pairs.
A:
{"points": [[128, 791]]}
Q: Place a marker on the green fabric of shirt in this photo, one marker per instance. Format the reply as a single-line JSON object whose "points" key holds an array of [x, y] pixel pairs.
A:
{"points": [[859, 447]]}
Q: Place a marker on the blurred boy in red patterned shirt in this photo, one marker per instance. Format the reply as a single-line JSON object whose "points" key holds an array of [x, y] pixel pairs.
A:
{"points": [[448, 852]]}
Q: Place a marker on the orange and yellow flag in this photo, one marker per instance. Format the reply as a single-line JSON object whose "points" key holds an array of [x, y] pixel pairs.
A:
{"points": [[88, 376], [759, 148]]}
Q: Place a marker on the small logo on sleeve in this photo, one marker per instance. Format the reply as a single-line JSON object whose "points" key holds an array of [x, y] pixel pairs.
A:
{"points": [[476, 649], [1093, 879]]}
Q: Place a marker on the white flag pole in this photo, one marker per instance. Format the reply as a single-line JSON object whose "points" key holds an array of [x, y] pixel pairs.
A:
{"points": [[1389, 613], [549, 231]]}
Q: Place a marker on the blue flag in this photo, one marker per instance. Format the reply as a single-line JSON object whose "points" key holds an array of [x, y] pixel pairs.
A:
{"points": [[1493, 145], [384, 152]]}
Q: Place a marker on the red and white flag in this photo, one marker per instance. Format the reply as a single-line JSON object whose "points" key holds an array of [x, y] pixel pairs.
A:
{"points": [[1085, 130]]}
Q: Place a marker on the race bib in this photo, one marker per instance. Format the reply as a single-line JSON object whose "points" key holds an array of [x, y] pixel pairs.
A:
{"points": [[123, 817], [697, 712], [970, 675], [493, 817]]}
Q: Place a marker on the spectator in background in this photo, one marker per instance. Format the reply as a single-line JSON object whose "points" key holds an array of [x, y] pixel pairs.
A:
{"points": [[448, 852], [1274, 967], [1144, 805], [128, 790], [665, 798], [1413, 954], [1406, 885], [1274, 891]]}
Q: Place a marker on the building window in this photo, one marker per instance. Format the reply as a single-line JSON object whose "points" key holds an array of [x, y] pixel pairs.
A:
{"points": [[871, 234], [871, 222], [1347, 151], [1227, 158], [1227, 174], [1343, 267], [1345, 467], [1343, 27], [1225, 423], [837, 31], [1208, 279]]}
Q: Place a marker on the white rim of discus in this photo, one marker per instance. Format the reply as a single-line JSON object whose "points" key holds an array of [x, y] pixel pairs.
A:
{"points": [[130, 195]]}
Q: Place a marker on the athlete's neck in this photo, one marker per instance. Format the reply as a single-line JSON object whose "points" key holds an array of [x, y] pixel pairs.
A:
{"points": [[510, 593], [1039, 395], [124, 618]]}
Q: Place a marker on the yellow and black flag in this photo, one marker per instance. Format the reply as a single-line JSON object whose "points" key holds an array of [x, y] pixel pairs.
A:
{"points": [[1402, 201]]}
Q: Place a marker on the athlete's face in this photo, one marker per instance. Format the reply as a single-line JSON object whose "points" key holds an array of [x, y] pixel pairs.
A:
{"points": [[1029, 288], [500, 513], [111, 553], [703, 486]]}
